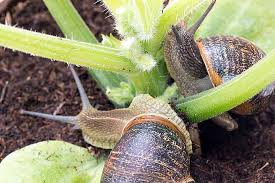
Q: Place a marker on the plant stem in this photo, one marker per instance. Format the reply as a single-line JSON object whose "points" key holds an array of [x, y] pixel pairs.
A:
{"points": [[153, 82], [73, 27], [74, 52], [69, 21], [227, 96]]}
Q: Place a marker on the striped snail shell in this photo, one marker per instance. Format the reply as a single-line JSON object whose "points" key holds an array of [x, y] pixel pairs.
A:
{"points": [[228, 56], [220, 58], [152, 149]]}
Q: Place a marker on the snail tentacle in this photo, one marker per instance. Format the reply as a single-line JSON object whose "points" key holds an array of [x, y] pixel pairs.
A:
{"points": [[195, 27], [60, 118], [84, 98], [104, 128], [66, 119]]}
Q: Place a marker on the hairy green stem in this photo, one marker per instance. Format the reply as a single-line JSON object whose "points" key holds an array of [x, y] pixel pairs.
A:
{"points": [[69, 21], [227, 96], [74, 52], [73, 27]]}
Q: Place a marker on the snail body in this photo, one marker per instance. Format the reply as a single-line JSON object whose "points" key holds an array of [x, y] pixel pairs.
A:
{"points": [[105, 128], [150, 141], [220, 58]]}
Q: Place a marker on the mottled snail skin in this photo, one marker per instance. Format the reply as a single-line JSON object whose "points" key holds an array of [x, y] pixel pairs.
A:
{"points": [[228, 56], [104, 128], [149, 151], [190, 67]]}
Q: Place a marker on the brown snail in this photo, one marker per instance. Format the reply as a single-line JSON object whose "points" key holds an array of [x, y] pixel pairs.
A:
{"points": [[151, 150], [150, 141], [220, 57]]}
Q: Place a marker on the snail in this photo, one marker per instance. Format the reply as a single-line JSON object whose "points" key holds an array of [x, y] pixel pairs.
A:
{"points": [[199, 65], [151, 150], [150, 141]]}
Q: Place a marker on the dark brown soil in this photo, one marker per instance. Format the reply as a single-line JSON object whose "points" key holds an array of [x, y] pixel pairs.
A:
{"points": [[245, 155]]}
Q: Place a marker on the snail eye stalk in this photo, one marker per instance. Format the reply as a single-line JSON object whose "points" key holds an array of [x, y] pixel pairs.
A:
{"points": [[66, 119], [195, 27]]}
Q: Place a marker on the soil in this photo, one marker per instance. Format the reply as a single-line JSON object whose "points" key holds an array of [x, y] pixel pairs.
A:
{"points": [[26, 82]]}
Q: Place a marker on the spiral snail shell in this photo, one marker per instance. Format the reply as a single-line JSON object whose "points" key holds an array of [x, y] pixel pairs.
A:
{"points": [[199, 65], [151, 150]]}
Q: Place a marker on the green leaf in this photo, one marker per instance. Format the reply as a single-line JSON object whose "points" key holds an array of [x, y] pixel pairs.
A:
{"points": [[251, 19], [69, 21], [49, 162], [170, 94], [110, 41]]}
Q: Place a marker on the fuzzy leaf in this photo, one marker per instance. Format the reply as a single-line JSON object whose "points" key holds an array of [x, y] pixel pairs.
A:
{"points": [[147, 13], [51, 161], [132, 49]]}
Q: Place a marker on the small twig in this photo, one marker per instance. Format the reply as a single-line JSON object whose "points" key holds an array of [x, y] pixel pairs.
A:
{"points": [[2, 143], [8, 19], [3, 93], [57, 110], [265, 165]]}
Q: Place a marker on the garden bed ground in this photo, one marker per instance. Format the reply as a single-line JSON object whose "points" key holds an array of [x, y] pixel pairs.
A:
{"points": [[245, 155]]}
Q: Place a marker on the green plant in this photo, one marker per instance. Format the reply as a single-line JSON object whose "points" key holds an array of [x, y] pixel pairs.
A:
{"points": [[51, 161], [138, 59]]}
